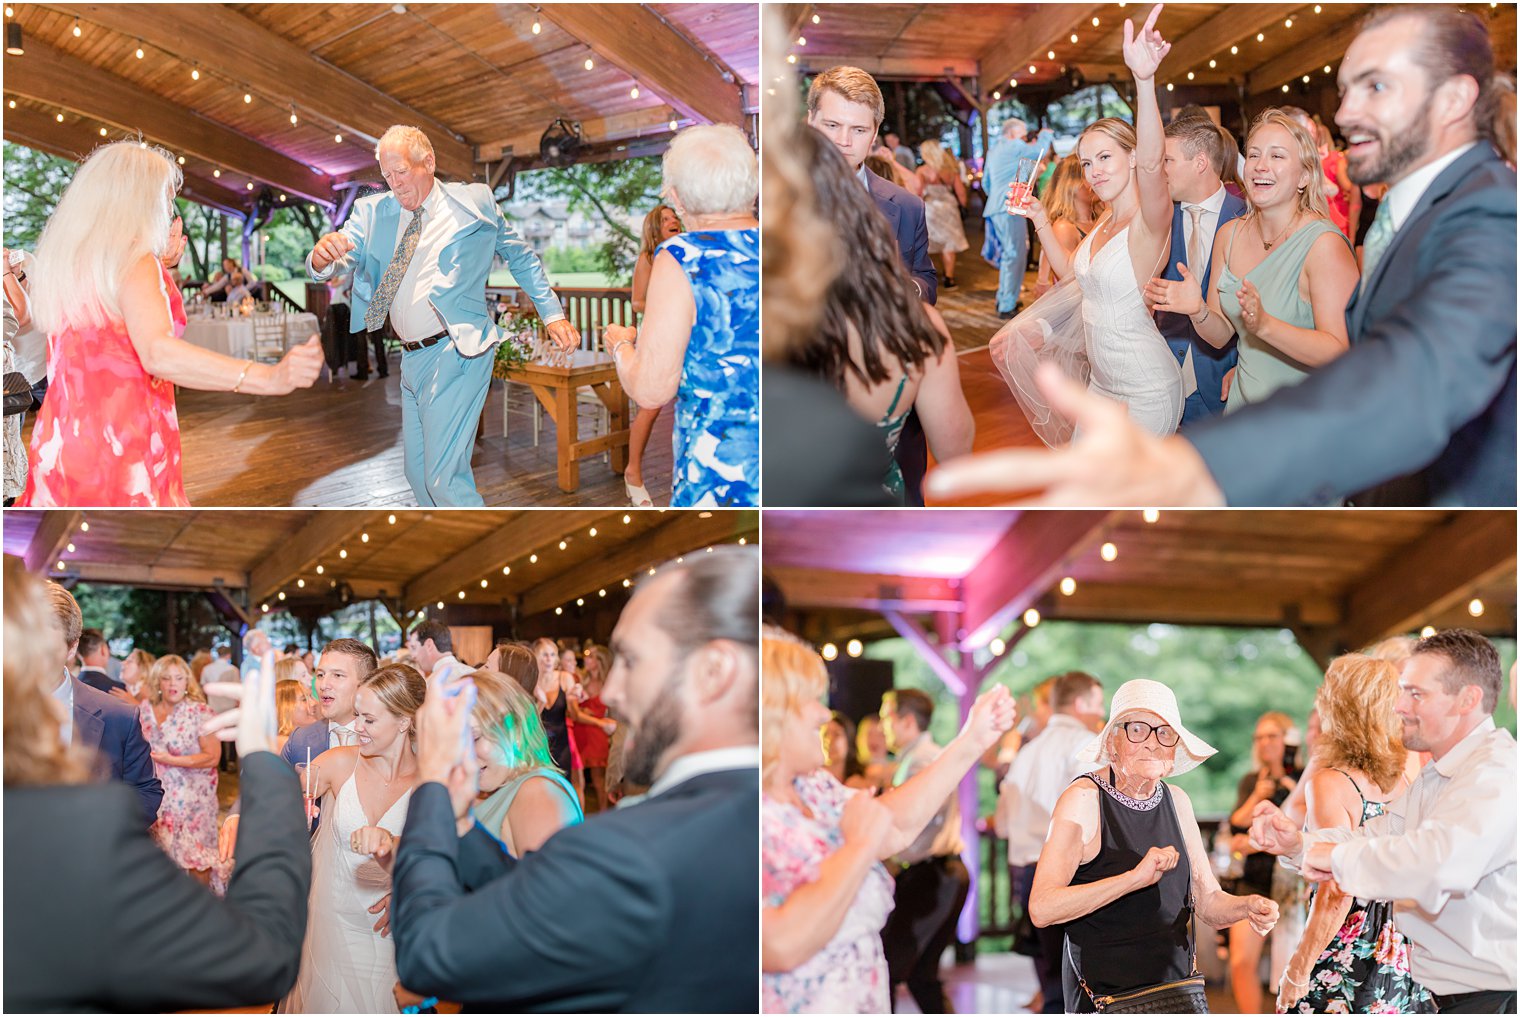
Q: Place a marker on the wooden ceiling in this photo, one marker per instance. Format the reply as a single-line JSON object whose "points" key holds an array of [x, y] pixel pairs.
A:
{"points": [[408, 559], [1340, 579], [476, 77], [998, 42]]}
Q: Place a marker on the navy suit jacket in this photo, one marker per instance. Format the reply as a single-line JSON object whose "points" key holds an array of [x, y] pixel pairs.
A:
{"points": [[674, 929], [98, 679], [1426, 394], [905, 214], [111, 729], [1210, 365]]}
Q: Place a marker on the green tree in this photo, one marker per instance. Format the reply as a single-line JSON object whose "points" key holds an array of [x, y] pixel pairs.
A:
{"points": [[610, 191], [34, 184]]}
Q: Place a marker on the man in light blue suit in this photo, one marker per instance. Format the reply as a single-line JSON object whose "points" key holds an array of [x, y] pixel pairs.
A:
{"points": [[1012, 235], [420, 255]]}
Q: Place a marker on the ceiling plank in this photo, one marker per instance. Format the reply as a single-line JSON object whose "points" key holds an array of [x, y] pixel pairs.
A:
{"points": [[50, 76], [1022, 566], [1244, 605], [618, 127], [1027, 38], [527, 531], [320, 536], [823, 588], [657, 56], [888, 67], [1427, 578], [1327, 47], [679, 536], [159, 576], [74, 140], [1233, 23], [269, 64], [52, 534]]}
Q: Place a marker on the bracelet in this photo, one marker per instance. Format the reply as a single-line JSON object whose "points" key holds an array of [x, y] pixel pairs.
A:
{"points": [[246, 365], [613, 350], [1295, 982], [1200, 321]]}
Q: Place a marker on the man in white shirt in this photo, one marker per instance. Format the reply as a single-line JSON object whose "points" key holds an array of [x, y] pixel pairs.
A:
{"points": [[1444, 853], [433, 651], [1039, 774], [420, 256], [221, 669]]}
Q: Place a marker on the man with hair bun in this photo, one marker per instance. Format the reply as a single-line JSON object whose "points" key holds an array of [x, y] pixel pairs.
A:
{"points": [[420, 259]]}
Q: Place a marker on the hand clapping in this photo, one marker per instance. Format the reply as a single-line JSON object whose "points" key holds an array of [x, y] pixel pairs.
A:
{"points": [[1183, 296]]}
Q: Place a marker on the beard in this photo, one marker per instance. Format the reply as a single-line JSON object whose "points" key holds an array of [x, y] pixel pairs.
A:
{"points": [[653, 737], [1398, 151]]}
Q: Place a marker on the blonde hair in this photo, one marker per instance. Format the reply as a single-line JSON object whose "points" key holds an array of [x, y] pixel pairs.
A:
{"points": [[285, 669], [1120, 130], [603, 661], [144, 662], [852, 84], [401, 690], [1311, 198], [862, 738], [939, 160], [711, 169], [1396, 650], [198, 664], [156, 676], [508, 717], [287, 696], [1284, 724], [1359, 729], [1066, 185], [34, 752], [791, 676], [117, 209], [416, 144]]}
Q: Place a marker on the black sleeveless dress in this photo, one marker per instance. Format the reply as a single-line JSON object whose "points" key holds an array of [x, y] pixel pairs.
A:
{"points": [[1143, 937], [557, 733]]}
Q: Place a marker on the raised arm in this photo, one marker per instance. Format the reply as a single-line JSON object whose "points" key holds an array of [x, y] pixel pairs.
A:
{"points": [[1143, 52]]}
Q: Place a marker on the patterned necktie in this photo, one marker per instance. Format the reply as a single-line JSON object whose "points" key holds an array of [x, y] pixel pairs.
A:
{"points": [[1379, 234], [1195, 242], [380, 303]]}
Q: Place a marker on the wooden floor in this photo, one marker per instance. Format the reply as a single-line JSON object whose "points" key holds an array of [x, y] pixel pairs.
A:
{"points": [[339, 444]]}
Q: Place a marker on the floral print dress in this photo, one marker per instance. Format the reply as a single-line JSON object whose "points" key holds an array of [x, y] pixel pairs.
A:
{"points": [[849, 975], [1365, 967], [186, 827], [717, 425]]}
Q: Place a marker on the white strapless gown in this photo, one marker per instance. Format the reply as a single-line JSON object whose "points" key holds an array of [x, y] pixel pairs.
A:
{"points": [[346, 967], [1131, 362]]}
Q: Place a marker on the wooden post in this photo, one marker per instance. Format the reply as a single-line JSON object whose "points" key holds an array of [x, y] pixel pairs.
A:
{"points": [[374, 633], [171, 613], [950, 629]]}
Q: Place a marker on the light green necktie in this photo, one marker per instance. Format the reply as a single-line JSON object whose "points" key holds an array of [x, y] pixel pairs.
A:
{"points": [[1379, 235]]}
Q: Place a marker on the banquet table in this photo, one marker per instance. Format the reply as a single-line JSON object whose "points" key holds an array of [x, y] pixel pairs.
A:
{"points": [[556, 387], [233, 337]]}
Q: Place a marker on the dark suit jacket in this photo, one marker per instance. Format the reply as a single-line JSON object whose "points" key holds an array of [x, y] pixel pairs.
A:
{"points": [[99, 680], [1428, 387], [97, 917], [818, 451], [313, 736], [111, 729], [1210, 365], [672, 925], [905, 214]]}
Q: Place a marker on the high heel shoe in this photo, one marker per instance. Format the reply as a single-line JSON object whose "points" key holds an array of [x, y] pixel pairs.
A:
{"points": [[637, 496]]}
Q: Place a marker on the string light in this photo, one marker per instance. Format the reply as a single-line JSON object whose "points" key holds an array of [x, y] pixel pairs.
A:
{"points": [[12, 104], [483, 584], [337, 139], [537, 27], [247, 98], [580, 601], [791, 58], [321, 569], [1285, 88], [1032, 68], [633, 93], [1234, 50], [997, 646], [1306, 79], [1190, 75], [440, 605], [77, 30], [1068, 586], [563, 545], [342, 552], [1261, 37], [181, 160], [266, 608], [1475, 607], [70, 549], [602, 592], [1108, 552], [674, 125], [627, 583], [84, 527], [140, 53], [392, 518], [58, 117], [559, 610], [1050, 54], [592, 531], [830, 651], [1150, 515], [815, 19], [532, 559], [801, 41], [854, 648], [195, 74], [249, 185], [217, 173], [589, 64], [1074, 38], [1213, 64], [506, 570], [1288, 23], [461, 594], [10, 12], [1317, 8], [102, 132], [996, 96], [627, 519], [60, 567], [293, 119], [1095, 22], [300, 584], [1031, 618], [1013, 82], [282, 594], [1427, 632], [1327, 68], [1169, 86], [742, 541], [364, 538]]}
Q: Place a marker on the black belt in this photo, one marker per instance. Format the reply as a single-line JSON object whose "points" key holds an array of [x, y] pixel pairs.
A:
{"points": [[422, 344]]}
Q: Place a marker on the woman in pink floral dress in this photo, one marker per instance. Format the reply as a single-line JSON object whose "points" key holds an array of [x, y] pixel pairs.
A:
{"points": [[825, 895], [108, 433], [186, 760]]}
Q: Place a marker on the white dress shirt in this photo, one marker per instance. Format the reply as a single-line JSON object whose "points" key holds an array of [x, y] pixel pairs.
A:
{"points": [[942, 837], [219, 670], [1041, 772], [64, 693], [1208, 222], [448, 669], [694, 764], [412, 315], [335, 736], [1404, 195], [1444, 853]]}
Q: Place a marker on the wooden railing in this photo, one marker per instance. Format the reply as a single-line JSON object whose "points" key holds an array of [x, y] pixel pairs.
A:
{"points": [[589, 310]]}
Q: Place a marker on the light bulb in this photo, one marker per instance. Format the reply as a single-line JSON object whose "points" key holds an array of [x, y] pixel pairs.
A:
{"points": [[1234, 50], [392, 517], [301, 584], [1074, 37], [77, 31], [1095, 22], [1213, 64], [217, 173], [997, 646], [1475, 607], [1108, 552], [1050, 54], [815, 19], [363, 537], [102, 132], [1190, 75], [195, 74], [801, 40], [996, 96], [247, 97], [830, 651], [321, 569], [58, 117], [589, 64], [337, 139], [1288, 23], [532, 559], [537, 27], [1150, 515], [633, 93], [181, 160], [139, 53], [506, 570], [1031, 618], [1068, 586], [483, 584]]}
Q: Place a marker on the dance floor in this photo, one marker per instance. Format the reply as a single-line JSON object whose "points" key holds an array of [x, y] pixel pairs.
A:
{"points": [[339, 444]]}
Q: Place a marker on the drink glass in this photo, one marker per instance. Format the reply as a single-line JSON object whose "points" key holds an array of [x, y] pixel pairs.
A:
{"points": [[308, 782], [1022, 187]]}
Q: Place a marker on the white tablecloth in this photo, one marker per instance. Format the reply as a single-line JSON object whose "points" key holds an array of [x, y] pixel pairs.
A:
{"points": [[233, 337]]}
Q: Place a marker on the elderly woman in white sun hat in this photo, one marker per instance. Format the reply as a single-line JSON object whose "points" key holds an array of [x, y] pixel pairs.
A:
{"points": [[1124, 868]]}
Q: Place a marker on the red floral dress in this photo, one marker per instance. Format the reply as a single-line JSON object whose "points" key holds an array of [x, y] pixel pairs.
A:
{"points": [[107, 434]]}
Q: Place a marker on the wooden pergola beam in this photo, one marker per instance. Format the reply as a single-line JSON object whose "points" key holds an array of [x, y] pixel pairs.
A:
{"points": [[1327, 47], [1440, 570], [931, 653], [158, 576], [676, 537], [276, 67], [52, 77], [618, 127], [1027, 39], [1242, 605], [322, 534], [887, 68], [1021, 566], [73, 140], [50, 537], [804, 587], [1234, 23], [644, 45]]}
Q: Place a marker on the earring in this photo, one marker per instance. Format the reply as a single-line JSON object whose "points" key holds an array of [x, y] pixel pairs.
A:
{"points": [[1303, 189]]}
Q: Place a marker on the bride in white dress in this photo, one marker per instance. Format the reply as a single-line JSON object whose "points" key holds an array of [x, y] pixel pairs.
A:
{"points": [[1096, 325], [346, 965]]}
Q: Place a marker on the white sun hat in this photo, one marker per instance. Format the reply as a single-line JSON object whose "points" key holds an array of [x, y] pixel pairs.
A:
{"points": [[1153, 697]]}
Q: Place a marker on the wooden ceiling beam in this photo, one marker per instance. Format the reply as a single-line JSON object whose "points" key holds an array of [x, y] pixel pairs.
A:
{"points": [[888, 68], [271, 65], [322, 535], [618, 127], [1026, 40], [1443, 569], [158, 576], [805, 589], [1325, 47], [50, 537], [74, 140], [52, 77], [1022, 566], [1242, 605], [1233, 24], [656, 55], [683, 535]]}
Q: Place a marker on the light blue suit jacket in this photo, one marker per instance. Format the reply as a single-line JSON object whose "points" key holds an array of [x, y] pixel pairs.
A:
{"points": [[374, 227]]}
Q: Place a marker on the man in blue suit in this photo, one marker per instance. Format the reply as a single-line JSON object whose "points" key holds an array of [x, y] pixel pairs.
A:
{"points": [[97, 722], [426, 272], [1011, 232], [1195, 155], [675, 928]]}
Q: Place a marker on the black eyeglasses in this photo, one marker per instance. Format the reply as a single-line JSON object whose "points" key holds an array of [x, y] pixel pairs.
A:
{"points": [[1138, 731]]}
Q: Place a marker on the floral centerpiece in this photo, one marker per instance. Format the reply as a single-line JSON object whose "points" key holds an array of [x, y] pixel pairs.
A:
{"points": [[520, 330], [245, 306]]}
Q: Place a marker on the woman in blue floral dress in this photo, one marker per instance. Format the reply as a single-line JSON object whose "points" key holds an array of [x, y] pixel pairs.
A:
{"points": [[1352, 957], [700, 338]]}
